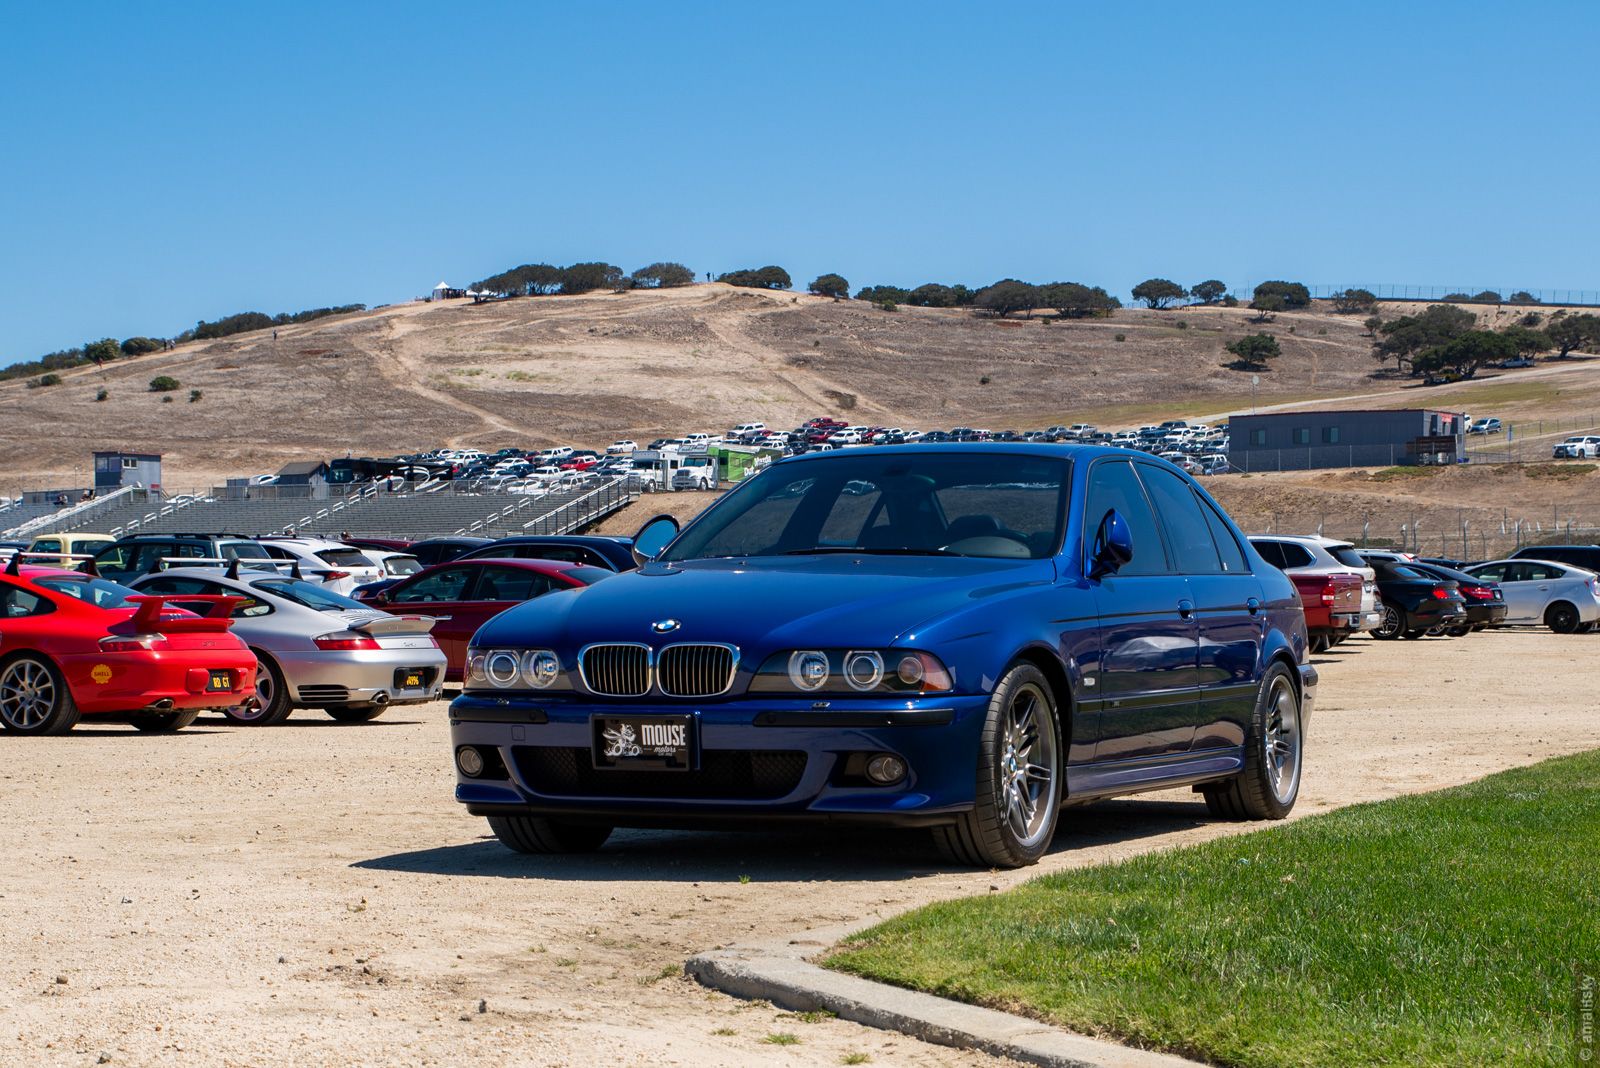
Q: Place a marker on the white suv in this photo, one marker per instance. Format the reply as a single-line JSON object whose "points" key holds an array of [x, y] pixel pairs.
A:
{"points": [[1586, 446]]}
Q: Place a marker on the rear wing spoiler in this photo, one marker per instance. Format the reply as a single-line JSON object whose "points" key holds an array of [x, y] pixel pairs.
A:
{"points": [[147, 614], [255, 563], [87, 567]]}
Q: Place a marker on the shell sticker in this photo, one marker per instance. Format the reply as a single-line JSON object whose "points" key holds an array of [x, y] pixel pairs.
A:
{"points": [[101, 673]]}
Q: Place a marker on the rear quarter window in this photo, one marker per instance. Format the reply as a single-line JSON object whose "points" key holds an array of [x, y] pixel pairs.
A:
{"points": [[1347, 556]]}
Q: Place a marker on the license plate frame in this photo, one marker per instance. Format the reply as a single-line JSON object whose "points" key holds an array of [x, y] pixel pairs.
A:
{"points": [[219, 680], [654, 742]]}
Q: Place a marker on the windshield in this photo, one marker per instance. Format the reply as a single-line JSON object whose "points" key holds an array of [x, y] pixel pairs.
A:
{"points": [[309, 595], [95, 591], [400, 566], [344, 558], [994, 505]]}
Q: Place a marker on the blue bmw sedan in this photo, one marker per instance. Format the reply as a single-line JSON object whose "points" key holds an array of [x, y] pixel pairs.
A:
{"points": [[962, 637]]}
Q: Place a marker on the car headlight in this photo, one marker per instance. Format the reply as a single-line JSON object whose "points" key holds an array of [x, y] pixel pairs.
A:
{"points": [[853, 671], [510, 669]]}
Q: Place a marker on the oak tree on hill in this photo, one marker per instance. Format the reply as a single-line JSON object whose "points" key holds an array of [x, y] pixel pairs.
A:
{"points": [[1574, 332], [1074, 300], [663, 276], [769, 277], [1254, 350], [1465, 353], [884, 295], [1159, 292], [1007, 296], [1528, 342], [1403, 339], [830, 285], [138, 346], [1209, 292], [1352, 301], [1294, 294]]}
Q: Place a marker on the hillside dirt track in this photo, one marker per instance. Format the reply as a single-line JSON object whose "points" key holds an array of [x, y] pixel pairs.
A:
{"points": [[310, 894], [587, 370]]}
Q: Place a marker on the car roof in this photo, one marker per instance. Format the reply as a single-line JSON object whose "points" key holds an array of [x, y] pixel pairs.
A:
{"points": [[970, 448], [524, 562]]}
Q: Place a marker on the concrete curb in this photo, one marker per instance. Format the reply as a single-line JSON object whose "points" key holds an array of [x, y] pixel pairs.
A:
{"points": [[780, 972]]}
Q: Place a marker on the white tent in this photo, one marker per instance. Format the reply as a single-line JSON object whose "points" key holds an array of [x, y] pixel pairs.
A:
{"points": [[440, 290]]}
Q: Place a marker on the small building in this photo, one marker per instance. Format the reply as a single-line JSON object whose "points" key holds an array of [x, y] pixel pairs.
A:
{"points": [[1300, 441], [313, 474], [113, 470]]}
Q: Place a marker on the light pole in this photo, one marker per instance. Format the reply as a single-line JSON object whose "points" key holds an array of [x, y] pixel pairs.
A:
{"points": [[1255, 380]]}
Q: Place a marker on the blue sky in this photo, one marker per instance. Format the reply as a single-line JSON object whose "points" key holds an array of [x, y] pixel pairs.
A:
{"points": [[164, 163]]}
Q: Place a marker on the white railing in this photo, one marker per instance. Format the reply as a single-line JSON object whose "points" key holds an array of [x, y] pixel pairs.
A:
{"points": [[81, 509]]}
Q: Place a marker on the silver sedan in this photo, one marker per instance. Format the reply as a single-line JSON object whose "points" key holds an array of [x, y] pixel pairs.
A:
{"points": [[317, 648], [1562, 597]]}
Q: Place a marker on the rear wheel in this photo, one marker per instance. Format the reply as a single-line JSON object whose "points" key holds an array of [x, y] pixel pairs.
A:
{"points": [[534, 834], [1269, 784], [355, 713], [270, 706], [1460, 632], [1562, 617], [1018, 786], [164, 722], [1393, 623], [34, 698]]}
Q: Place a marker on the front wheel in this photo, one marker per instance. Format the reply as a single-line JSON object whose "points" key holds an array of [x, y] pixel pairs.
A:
{"points": [[34, 698], [1459, 632], [1392, 625], [1269, 784], [1018, 785], [1562, 618], [270, 706], [534, 834]]}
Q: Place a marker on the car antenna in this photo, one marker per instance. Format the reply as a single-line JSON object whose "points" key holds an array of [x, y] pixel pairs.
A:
{"points": [[233, 569], [16, 562], [294, 570]]}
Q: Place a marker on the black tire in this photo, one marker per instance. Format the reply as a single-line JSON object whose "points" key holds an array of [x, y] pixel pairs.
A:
{"points": [[1260, 791], [163, 722], [355, 713], [535, 834], [1392, 625], [1460, 632], [1319, 643], [1013, 817], [1587, 628], [1562, 617], [1413, 635], [271, 710], [34, 698]]}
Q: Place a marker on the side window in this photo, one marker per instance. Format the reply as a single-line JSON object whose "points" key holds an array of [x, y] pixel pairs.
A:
{"points": [[149, 554], [1258, 437], [276, 552], [114, 557], [1227, 546], [1542, 572], [1493, 573], [1302, 435], [510, 584], [18, 603], [1112, 484], [1271, 552], [1296, 555], [1193, 550], [47, 545], [446, 584]]}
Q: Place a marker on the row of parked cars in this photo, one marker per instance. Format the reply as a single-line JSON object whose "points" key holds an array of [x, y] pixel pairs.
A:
{"points": [[1347, 590]]}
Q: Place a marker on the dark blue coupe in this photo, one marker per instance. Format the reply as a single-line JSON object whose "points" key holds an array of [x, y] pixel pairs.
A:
{"points": [[962, 637]]}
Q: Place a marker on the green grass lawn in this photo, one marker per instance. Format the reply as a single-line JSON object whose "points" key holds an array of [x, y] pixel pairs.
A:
{"points": [[1438, 929]]}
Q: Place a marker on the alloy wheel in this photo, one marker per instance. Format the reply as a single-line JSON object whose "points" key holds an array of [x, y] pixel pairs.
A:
{"points": [[1027, 766], [27, 694], [1281, 740], [256, 707]]}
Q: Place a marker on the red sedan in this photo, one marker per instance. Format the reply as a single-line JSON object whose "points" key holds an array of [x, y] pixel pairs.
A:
{"points": [[76, 645], [464, 595]]}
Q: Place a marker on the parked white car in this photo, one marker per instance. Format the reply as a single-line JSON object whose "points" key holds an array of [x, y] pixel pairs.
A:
{"points": [[1562, 597], [622, 448], [340, 568]]}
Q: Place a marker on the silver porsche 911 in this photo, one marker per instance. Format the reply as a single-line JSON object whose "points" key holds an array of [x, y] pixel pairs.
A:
{"points": [[317, 648]]}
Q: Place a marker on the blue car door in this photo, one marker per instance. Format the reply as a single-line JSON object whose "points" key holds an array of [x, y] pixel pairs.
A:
{"points": [[1227, 606], [1149, 645]]}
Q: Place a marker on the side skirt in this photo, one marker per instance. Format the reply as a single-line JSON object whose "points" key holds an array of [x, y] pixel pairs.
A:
{"points": [[1089, 781]]}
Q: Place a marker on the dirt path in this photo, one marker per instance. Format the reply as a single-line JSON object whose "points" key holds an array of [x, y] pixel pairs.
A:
{"points": [[310, 894]]}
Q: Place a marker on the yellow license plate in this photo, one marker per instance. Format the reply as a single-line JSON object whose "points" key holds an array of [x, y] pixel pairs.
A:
{"points": [[220, 680], [413, 680]]}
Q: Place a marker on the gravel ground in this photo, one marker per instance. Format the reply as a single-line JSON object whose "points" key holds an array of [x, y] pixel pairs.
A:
{"points": [[309, 894]]}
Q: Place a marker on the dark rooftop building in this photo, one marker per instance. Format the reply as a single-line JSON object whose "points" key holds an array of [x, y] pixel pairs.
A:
{"points": [[1299, 441]]}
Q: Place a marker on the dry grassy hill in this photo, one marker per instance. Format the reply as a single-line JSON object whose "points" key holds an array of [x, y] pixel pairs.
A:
{"points": [[588, 369]]}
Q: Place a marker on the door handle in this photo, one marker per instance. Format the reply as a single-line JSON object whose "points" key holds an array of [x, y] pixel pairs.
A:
{"points": [[1186, 609], [1252, 605]]}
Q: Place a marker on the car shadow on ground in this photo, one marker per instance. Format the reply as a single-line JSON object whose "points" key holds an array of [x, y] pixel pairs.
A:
{"points": [[822, 854], [306, 719]]}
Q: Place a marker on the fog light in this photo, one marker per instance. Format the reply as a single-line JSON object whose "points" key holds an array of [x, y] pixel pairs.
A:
{"points": [[470, 761], [885, 769]]}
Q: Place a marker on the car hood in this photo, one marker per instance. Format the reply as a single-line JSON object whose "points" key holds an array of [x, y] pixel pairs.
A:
{"points": [[838, 601]]}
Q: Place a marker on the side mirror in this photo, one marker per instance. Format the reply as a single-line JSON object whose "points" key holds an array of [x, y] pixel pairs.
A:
{"points": [[653, 537], [1113, 545]]}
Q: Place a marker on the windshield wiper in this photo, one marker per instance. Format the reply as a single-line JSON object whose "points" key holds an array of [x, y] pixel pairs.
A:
{"points": [[855, 550]]}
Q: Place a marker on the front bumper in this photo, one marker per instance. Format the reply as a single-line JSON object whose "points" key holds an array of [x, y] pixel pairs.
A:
{"points": [[777, 758], [324, 677]]}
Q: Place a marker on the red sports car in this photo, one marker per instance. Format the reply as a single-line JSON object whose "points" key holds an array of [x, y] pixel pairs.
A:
{"points": [[73, 644], [464, 595]]}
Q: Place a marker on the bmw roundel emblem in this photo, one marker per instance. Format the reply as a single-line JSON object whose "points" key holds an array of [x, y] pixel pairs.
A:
{"points": [[665, 626]]}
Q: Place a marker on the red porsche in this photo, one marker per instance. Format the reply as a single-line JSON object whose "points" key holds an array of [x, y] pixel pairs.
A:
{"points": [[76, 645]]}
